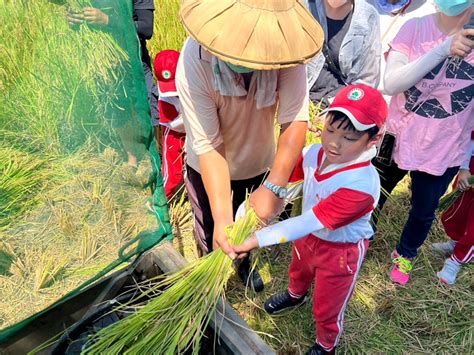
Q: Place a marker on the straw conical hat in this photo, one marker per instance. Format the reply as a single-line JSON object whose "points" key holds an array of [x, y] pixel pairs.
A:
{"points": [[258, 34]]}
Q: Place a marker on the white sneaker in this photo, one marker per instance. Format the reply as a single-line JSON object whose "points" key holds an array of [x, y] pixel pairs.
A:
{"points": [[449, 272], [443, 249]]}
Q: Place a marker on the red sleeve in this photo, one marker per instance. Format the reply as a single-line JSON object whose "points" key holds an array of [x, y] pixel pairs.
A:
{"points": [[167, 111], [298, 173], [343, 207]]}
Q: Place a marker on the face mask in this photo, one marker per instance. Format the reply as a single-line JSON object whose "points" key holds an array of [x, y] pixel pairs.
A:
{"points": [[389, 8], [453, 7], [238, 68]]}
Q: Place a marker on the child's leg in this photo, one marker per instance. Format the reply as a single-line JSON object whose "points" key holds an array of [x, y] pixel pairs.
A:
{"points": [[301, 272], [463, 251], [426, 190], [335, 277], [172, 166]]}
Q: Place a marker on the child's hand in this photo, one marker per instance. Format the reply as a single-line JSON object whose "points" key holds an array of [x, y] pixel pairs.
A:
{"points": [[463, 177], [461, 44], [249, 244]]}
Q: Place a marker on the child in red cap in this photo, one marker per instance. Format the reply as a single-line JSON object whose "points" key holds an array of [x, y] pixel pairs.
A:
{"points": [[173, 135], [340, 191], [458, 222]]}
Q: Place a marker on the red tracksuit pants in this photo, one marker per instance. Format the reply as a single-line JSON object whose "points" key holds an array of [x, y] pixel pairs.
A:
{"points": [[172, 156], [334, 268], [458, 222]]}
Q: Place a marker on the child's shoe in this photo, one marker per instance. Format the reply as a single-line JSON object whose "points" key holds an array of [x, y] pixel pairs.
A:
{"points": [[443, 249], [400, 272], [449, 271], [283, 301], [317, 349]]}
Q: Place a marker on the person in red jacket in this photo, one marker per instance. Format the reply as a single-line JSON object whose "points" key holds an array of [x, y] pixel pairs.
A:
{"points": [[458, 222], [169, 107]]}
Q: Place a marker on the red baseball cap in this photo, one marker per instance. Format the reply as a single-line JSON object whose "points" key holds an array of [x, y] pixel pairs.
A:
{"points": [[165, 70], [364, 105]]}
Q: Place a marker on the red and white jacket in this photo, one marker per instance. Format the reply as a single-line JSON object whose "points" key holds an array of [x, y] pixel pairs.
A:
{"points": [[337, 202]]}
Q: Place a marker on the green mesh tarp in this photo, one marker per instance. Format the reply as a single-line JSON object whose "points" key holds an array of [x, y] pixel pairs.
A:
{"points": [[80, 184]]}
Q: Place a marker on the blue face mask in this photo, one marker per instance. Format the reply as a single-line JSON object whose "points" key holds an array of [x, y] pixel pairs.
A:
{"points": [[453, 7], [238, 68]]}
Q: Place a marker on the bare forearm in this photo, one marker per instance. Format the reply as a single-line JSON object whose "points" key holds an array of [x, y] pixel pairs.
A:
{"points": [[216, 179], [290, 145]]}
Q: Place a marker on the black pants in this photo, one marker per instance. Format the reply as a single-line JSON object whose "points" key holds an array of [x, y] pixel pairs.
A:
{"points": [[426, 190], [204, 223]]}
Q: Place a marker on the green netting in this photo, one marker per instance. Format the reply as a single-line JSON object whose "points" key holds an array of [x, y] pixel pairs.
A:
{"points": [[77, 159]]}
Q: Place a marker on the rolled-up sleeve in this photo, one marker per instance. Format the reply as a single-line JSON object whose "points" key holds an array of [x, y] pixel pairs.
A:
{"points": [[293, 95], [199, 109]]}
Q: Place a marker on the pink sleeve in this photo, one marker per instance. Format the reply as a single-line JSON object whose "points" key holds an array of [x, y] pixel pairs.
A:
{"points": [[404, 38], [343, 207]]}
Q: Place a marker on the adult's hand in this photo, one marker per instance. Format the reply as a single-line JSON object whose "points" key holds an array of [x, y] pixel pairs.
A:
{"points": [[95, 16], [220, 240], [74, 18], [266, 204], [461, 45], [463, 182]]}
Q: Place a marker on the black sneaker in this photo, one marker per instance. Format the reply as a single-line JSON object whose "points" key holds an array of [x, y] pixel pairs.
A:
{"points": [[283, 301], [250, 277], [317, 349]]}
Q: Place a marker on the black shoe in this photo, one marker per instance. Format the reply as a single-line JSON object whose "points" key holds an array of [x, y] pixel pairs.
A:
{"points": [[250, 277], [282, 301], [317, 349]]}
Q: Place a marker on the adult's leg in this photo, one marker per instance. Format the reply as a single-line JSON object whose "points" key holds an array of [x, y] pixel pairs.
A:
{"points": [[240, 189], [390, 176], [203, 222], [426, 191]]}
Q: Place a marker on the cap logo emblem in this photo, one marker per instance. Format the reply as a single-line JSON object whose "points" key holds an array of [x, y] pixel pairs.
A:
{"points": [[166, 74], [356, 94]]}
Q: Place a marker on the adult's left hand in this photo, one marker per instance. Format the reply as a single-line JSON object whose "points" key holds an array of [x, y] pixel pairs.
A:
{"points": [[266, 204]]}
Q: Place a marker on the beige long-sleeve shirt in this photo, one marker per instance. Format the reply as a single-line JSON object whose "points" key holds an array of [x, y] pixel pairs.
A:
{"points": [[246, 132]]}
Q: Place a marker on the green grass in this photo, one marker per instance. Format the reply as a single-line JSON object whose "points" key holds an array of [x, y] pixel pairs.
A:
{"points": [[423, 317]]}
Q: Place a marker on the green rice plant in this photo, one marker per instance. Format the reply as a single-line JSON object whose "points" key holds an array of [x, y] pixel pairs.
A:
{"points": [[449, 199], [22, 176], [175, 319], [168, 33], [7, 256]]}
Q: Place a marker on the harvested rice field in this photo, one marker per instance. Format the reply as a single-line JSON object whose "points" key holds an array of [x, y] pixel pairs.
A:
{"points": [[69, 200]]}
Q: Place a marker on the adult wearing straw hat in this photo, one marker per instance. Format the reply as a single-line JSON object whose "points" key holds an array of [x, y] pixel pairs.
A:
{"points": [[242, 66]]}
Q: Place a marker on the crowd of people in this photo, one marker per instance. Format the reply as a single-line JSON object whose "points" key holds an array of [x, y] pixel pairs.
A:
{"points": [[393, 82]]}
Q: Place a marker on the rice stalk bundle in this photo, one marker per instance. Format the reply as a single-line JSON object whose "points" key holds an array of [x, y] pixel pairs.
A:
{"points": [[175, 319], [21, 178], [448, 200]]}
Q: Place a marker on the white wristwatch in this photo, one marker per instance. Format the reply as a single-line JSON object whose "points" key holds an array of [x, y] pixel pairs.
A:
{"points": [[279, 191]]}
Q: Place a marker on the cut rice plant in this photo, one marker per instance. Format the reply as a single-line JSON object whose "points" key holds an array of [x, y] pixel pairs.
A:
{"points": [[182, 305], [449, 199], [46, 271], [89, 245]]}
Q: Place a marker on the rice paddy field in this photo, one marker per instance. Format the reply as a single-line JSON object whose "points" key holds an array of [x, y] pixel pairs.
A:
{"points": [[69, 200]]}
